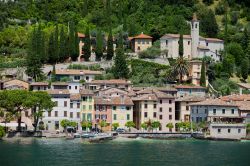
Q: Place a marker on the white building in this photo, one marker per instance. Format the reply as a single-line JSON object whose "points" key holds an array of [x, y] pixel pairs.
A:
{"points": [[77, 75], [224, 118], [194, 45], [67, 107]]}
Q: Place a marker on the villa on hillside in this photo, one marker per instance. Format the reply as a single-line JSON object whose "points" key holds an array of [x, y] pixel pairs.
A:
{"points": [[194, 45], [140, 43], [77, 75]]}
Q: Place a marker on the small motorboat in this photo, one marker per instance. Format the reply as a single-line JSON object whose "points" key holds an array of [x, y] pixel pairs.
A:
{"points": [[87, 135], [77, 135]]}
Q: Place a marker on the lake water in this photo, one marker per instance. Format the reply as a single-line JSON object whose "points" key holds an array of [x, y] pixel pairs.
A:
{"points": [[138, 152]]}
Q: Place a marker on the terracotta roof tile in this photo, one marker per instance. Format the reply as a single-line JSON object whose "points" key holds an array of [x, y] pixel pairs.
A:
{"points": [[75, 97], [188, 87], [142, 36], [60, 83], [58, 91], [86, 92], [19, 83], [39, 84], [113, 101], [213, 39], [113, 81], [150, 97], [243, 97], [77, 72], [244, 85], [191, 98], [214, 102]]}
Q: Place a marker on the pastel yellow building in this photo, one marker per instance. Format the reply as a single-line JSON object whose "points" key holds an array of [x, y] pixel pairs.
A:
{"points": [[141, 42], [87, 105]]}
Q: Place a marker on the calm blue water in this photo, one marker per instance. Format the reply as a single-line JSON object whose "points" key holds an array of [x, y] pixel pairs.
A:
{"points": [[139, 152]]}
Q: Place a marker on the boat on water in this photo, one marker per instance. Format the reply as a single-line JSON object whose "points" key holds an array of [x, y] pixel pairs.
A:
{"points": [[87, 135]]}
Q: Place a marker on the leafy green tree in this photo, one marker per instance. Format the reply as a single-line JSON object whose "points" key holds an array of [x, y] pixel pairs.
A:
{"points": [[244, 68], [87, 46], [245, 39], [103, 123], [228, 64], [208, 2], [115, 125], [144, 126], [2, 132], [65, 123], [156, 124], [73, 124], [170, 126], [236, 51], [130, 124], [99, 46], [110, 47], [86, 125], [16, 102], [203, 74], [208, 23], [41, 102]]}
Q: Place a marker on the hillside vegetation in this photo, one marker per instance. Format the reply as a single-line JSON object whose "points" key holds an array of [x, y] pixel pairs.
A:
{"points": [[225, 19]]}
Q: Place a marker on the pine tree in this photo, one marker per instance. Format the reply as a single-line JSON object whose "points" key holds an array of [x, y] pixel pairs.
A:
{"points": [[120, 69], [99, 46], [110, 47], [244, 68], [181, 45], [62, 45], [34, 63], [87, 46], [203, 74]]}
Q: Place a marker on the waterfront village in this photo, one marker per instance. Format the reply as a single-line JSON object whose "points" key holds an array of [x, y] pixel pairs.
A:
{"points": [[84, 104]]}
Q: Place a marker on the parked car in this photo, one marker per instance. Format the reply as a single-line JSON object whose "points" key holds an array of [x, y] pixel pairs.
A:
{"points": [[77, 135]]}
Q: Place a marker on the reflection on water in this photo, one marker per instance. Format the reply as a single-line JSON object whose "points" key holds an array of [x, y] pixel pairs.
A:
{"points": [[123, 151]]}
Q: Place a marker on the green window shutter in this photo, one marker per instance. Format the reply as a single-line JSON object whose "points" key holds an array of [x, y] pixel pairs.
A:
{"points": [[83, 117], [128, 117]]}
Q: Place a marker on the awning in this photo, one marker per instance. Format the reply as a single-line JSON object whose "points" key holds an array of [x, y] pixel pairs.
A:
{"points": [[12, 124]]}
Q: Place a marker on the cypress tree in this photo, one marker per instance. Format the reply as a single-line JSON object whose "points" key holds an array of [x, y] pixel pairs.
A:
{"points": [[203, 74], [85, 8], [72, 40], [34, 63], [245, 39], [99, 46], [120, 69], [87, 46], [110, 48], [244, 68], [181, 45], [62, 45], [51, 49], [56, 45], [76, 44]]}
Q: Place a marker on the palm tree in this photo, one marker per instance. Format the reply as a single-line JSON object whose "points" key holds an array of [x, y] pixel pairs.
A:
{"points": [[180, 68]]}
